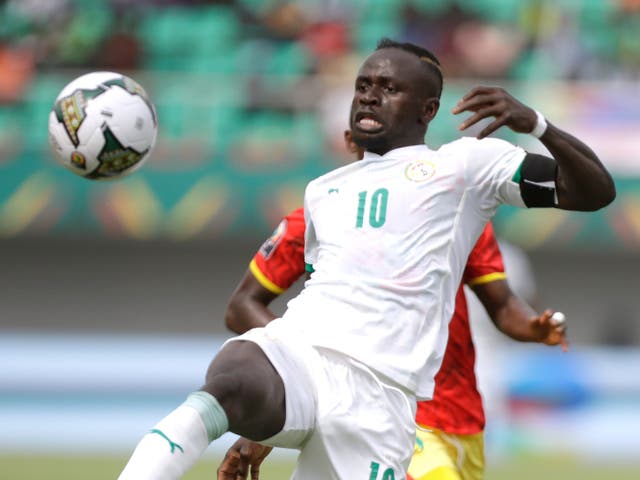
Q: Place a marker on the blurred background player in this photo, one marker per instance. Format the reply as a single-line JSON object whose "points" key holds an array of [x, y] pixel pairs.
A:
{"points": [[449, 436]]}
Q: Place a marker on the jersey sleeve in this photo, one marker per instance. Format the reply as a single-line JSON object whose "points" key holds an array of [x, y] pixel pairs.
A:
{"points": [[485, 262], [280, 260], [492, 171], [310, 239]]}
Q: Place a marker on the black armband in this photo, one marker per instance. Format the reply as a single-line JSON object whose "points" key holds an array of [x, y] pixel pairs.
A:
{"points": [[538, 181]]}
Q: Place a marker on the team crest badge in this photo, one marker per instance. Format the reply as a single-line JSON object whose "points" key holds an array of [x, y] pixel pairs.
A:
{"points": [[419, 171], [272, 242]]}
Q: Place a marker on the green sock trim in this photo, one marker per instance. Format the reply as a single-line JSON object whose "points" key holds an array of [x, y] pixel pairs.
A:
{"points": [[213, 416]]}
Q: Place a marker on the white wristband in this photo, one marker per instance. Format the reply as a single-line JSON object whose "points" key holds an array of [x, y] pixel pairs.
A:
{"points": [[541, 126]]}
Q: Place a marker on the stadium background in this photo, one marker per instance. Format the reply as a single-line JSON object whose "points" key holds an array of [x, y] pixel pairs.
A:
{"points": [[111, 294]]}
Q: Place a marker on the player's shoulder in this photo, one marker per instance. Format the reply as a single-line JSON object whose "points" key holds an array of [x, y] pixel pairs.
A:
{"points": [[295, 224], [296, 216], [471, 144], [334, 174]]}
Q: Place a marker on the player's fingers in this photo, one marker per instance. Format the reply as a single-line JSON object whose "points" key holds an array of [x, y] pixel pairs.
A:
{"points": [[492, 127], [229, 467], [561, 333], [545, 317], [489, 111], [480, 90], [559, 322], [242, 472], [474, 103], [255, 472]]}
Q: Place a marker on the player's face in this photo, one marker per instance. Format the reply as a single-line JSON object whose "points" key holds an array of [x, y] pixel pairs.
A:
{"points": [[388, 107]]}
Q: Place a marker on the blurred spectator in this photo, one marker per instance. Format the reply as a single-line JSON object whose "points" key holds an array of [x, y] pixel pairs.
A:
{"points": [[17, 65], [119, 52]]}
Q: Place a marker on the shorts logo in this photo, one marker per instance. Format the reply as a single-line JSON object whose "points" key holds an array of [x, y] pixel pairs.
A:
{"points": [[419, 171], [272, 242]]}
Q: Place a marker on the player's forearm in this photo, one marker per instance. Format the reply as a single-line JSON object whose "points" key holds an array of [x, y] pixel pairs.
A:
{"points": [[514, 320], [582, 182]]}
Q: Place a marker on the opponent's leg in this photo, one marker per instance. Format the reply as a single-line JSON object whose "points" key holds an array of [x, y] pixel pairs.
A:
{"points": [[243, 393], [433, 458], [439, 456]]}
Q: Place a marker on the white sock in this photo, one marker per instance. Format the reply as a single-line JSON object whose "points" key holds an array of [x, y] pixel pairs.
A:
{"points": [[177, 442]]}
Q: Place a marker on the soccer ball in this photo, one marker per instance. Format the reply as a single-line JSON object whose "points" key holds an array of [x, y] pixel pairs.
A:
{"points": [[102, 126]]}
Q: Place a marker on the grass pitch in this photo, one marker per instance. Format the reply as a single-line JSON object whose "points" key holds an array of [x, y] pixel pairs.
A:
{"points": [[38, 467]]}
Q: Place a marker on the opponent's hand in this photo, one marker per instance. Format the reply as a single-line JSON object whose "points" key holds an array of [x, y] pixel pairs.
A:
{"points": [[242, 458], [496, 102], [549, 331]]}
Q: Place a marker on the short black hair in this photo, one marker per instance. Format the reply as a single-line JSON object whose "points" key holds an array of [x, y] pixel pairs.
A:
{"points": [[427, 57]]}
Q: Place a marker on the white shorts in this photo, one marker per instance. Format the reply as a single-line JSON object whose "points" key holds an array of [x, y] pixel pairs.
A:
{"points": [[345, 421]]}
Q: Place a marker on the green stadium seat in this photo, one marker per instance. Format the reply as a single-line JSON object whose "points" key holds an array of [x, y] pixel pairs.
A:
{"points": [[179, 38], [38, 102], [498, 11], [289, 59], [252, 56], [380, 10], [306, 134], [367, 34], [431, 6]]}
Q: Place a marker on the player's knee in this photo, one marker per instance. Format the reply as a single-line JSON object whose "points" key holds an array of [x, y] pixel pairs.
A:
{"points": [[242, 368], [248, 388]]}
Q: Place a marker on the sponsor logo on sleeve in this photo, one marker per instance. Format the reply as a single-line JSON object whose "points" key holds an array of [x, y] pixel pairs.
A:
{"points": [[272, 242]]}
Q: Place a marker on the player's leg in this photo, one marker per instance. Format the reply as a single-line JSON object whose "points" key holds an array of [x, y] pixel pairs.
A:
{"points": [[473, 466], [364, 428], [249, 389], [243, 393]]}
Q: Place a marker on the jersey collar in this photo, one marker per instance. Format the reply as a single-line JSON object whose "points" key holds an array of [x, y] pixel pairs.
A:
{"points": [[397, 153]]}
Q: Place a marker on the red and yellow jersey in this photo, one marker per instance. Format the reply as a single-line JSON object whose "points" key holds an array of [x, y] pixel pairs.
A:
{"points": [[456, 407], [280, 260]]}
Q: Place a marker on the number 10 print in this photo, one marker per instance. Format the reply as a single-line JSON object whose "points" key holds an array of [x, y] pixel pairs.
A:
{"points": [[377, 208]]}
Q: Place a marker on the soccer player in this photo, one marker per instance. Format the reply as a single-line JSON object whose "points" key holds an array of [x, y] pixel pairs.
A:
{"points": [[387, 238], [449, 439]]}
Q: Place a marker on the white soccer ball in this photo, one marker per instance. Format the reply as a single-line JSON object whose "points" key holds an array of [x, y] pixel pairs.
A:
{"points": [[102, 126]]}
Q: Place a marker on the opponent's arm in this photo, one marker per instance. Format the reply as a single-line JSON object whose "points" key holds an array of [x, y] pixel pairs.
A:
{"points": [[515, 318], [248, 305], [581, 181]]}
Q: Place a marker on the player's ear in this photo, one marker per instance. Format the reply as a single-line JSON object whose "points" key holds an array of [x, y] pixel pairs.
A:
{"points": [[430, 108]]}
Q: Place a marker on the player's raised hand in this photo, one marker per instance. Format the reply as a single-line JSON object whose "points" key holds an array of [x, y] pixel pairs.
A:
{"points": [[495, 102], [551, 329], [242, 458]]}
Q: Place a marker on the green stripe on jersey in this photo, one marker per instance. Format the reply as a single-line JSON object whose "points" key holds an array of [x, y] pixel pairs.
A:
{"points": [[518, 175]]}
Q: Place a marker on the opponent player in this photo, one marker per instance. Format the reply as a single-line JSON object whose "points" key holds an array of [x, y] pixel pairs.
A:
{"points": [[388, 238], [449, 439]]}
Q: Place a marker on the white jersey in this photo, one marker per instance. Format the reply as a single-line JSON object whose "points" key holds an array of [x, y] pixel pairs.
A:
{"points": [[388, 238]]}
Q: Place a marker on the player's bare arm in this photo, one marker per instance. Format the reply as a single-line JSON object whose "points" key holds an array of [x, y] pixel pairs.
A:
{"points": [[244, 457], [247, 307], [515, 318], [582, 182]]}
